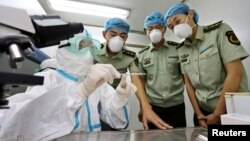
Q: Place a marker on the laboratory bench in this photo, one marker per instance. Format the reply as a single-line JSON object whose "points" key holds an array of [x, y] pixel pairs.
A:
{"points": [[176, 134]]}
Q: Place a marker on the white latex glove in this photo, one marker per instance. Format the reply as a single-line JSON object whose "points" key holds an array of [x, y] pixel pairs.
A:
{"points": [[125, 89], [98, 74]]}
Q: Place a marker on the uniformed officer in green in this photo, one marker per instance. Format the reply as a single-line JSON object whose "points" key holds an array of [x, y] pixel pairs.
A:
{"points": [[211, 62], [113, 52], [160, 92]]}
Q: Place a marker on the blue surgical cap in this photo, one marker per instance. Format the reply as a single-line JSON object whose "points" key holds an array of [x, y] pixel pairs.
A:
{"points": [[180, 8], [117, 23], [154, 18]]}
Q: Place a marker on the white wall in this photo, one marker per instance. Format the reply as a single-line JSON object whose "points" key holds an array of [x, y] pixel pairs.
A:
{"points": [[31, 6]]}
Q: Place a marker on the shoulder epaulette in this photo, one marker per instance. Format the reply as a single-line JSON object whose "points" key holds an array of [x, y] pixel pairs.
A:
{"points": [[212, 26], [144, 49], [129, 53], [180, 45], [173, 43]]}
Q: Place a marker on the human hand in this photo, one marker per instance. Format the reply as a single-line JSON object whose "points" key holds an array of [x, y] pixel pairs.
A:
{"points": [[98, 74], [123, 91], [210, 119], [148, 115], [213, 119], [140, 115], [125, 87], [202, 120]]}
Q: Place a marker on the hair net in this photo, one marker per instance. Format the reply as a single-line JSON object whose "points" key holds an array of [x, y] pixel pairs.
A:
{"points": [[180, 8], [154, 18], [117, 23]]}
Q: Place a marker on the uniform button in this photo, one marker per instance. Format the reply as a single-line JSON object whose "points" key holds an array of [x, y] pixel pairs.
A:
{"points": [[195, 59], [164, 95], [160, 62], [161, 72], [197, 73]]}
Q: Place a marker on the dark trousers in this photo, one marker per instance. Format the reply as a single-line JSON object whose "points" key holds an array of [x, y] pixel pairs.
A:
{"points": [[174, 116], [106, 127], [195, 119]]}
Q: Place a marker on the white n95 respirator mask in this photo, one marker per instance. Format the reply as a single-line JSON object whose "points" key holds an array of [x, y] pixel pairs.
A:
{"points": [[115, 44], [183, 30], [155, 36]]}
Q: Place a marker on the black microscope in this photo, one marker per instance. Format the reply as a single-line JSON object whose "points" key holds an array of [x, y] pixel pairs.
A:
{"points": [[19, 34]]}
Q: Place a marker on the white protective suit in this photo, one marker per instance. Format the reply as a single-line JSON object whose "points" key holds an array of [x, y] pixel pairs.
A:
{"points": [[63, 105]]}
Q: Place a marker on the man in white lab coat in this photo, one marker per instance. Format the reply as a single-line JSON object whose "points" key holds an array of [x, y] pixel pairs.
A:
{"points": [[74, 97]]}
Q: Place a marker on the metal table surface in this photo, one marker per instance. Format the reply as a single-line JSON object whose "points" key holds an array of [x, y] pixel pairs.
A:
{"points": [[177, 134]]}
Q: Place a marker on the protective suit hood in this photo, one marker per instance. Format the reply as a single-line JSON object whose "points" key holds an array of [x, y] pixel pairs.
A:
{"points": [[73, 64], [77, 58]]}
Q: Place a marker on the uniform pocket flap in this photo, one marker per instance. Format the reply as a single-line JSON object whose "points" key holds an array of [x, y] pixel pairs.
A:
{"points": [[207, 52]]}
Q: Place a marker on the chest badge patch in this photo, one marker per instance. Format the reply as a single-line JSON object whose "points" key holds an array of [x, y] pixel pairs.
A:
{"points": [[183, 60], [147, 61], [184, 55]]}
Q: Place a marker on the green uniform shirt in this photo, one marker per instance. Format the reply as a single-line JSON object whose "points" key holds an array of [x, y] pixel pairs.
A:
{"points": [[163, 80], [204, 59], [122, 61]]}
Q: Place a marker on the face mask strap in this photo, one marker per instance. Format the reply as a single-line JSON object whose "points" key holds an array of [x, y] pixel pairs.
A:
{"points": [[187, 23], [186, 19], [193, 26]]}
